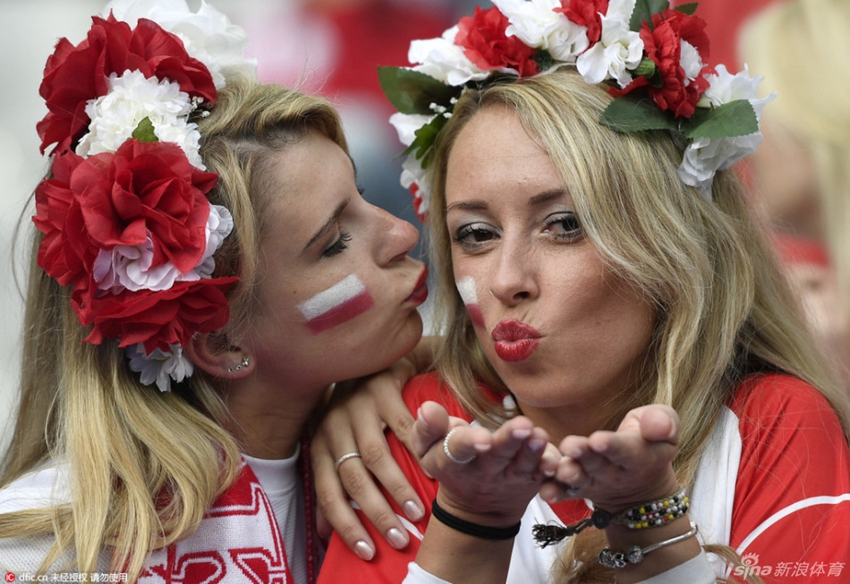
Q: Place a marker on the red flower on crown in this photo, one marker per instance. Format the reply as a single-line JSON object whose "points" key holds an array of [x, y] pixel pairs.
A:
{"points": [[157, 319], [143, 190], [485, 43], [74, 75], [663, 45], [586, 13]]}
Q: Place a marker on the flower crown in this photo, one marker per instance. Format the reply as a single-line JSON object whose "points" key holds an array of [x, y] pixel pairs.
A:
{"points": [[642, 49], [124, 212]]}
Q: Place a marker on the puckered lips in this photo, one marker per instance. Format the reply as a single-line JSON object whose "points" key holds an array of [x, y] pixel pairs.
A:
{"points": [[514, 340]]}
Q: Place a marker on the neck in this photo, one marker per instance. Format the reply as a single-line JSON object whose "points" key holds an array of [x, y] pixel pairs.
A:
{"points": [[572, 420], [268, 422]]}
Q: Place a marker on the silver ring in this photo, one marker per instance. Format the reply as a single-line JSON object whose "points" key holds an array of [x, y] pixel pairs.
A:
{"points": [[344, 457], [449, 454]]}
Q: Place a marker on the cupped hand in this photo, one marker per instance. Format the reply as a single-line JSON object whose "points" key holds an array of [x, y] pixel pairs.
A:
{"points": [[616, 470], [504, 471]]}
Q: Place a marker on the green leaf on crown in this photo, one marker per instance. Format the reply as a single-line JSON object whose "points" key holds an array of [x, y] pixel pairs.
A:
{"points": [[144, 131], [412, 92], [689, 8], [644, 9], [423, 144], [736, 118], [635, 114]]}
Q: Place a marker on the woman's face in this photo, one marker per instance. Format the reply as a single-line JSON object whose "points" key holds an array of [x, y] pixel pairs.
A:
{"points": [[558, 326], [339, 293]]}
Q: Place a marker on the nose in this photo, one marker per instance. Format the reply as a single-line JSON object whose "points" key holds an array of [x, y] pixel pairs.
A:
{"points": [[396, 237], [513, 275]]}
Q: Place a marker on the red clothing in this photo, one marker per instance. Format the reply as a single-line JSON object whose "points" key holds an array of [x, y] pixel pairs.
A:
{"points": [[791, 489]]}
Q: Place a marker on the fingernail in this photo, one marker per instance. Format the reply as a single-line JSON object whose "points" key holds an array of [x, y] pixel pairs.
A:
{"points": [[364, 551], [397, 539], [521, 433], [549, 473], [536, 444], [419, 417], [412, 510], [481, 447]]}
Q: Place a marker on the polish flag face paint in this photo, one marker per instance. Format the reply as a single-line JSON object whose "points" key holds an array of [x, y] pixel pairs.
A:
{"points": [[468, 292], [336, 305]]}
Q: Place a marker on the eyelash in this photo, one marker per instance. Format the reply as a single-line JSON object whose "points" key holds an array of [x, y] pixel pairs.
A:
{"points": [[338, 246], [479, 229], [570, 234]]}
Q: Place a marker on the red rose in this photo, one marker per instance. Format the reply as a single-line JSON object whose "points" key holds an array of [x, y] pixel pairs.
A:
{"points": [[586, 13], [485, 43], [148, 189], [65, 252], [75, 75], [663, 44], [157, 319]]}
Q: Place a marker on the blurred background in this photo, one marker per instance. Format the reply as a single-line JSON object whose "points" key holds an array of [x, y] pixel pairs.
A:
{"points": [[330, 47]]}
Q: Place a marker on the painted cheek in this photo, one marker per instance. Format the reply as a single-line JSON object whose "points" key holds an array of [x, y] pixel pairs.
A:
{"points": [[468, 292], [337, 305]]}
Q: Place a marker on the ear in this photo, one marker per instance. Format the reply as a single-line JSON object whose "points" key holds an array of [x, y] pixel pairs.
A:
{"points": [[212, 353]]}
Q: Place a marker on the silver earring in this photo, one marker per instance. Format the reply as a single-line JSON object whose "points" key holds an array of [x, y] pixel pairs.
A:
{"points": [[245, 362]]}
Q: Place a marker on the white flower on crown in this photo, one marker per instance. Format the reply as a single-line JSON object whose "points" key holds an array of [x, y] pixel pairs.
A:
{"points": [[129, 266], [704, 157], [131, 98], [690, 61], [207, 35], [537, 25], [159, 366], [443, 60], [618, 51]]}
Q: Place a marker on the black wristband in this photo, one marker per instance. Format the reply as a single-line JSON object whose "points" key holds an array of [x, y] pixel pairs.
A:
{"points": [[473, 529]]}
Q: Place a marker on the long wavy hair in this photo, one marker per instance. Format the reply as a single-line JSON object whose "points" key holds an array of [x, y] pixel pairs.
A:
{"points": [[144, 465], [723, 308]]}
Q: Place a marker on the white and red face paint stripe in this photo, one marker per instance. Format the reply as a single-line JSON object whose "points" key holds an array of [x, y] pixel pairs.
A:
{"points": [[338, 304], [468, 292]]}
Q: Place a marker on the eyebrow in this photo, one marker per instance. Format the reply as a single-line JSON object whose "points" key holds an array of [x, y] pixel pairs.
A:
{"points": [[323, 230], [538, 199]]}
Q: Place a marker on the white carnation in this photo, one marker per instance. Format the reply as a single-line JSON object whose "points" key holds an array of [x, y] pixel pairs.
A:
{"points": [[129, 267], [704, 157], [159, 366], [131, 98], [443, 60], [207, 35], [537, 25], [407, 124], [413, 173], [618, 51], [219, 225], [690, 61]]}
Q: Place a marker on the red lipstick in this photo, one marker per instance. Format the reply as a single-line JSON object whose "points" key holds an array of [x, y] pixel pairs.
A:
{"points": [[515, 340], [420, 291]]}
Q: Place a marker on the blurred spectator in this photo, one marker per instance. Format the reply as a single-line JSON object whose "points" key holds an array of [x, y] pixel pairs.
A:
{"points": [[802, 170]]}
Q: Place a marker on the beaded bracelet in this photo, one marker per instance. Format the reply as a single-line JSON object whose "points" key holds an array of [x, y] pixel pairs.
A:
{"points": [[655, 513], [473, 529], [635, 554], [652, 514]]}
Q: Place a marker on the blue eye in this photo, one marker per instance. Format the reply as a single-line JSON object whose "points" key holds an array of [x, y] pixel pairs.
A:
{"points": [[338, 246]]}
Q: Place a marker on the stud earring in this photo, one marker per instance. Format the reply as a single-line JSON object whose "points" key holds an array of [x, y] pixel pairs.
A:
{"points": [[245, 362]]}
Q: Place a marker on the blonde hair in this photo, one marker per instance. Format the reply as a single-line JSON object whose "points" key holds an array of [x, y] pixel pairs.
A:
{"points": [[800, 49], [723, 309], [146, 465]]}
